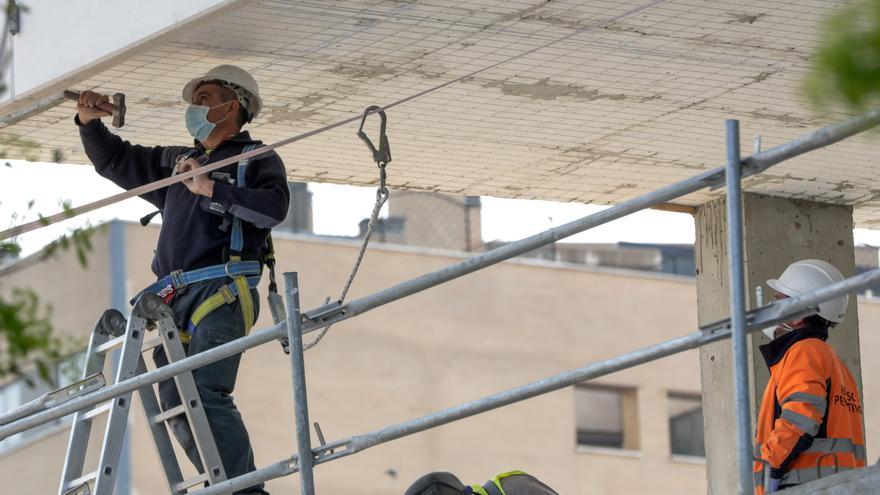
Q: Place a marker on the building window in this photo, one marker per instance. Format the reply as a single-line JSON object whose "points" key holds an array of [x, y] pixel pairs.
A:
{"points": [[686, 425], [606, 417], [30, 387]]}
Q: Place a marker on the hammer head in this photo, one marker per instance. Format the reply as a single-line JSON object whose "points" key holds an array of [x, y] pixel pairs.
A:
{"points": [[118, 110]]}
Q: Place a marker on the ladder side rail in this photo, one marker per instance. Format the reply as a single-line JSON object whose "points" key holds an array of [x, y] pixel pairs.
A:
{"points": [[161, 439], [81, 427], [117, 419], [192, 402]]}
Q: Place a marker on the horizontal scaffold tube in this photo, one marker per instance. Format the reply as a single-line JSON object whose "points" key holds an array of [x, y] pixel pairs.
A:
{"points": [[779, 311], [753, 164]]}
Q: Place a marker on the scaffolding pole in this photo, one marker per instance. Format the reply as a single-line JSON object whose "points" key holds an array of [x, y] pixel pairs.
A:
{"points": [[738, 310], [779, 311], [298, 371], [334, 312]]}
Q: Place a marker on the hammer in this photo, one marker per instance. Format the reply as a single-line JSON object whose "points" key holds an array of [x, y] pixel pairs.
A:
{"points": [[117, 109]]}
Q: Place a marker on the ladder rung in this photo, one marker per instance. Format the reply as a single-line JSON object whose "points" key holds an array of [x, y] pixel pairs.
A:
{"points": [[165, 416], [185, 484], [88, 416], [78, 483], [110, 344], [79, 490]]}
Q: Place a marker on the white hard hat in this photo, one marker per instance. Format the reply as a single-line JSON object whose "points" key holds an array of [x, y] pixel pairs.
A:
{"points": [[808, 275], [234, 78]]}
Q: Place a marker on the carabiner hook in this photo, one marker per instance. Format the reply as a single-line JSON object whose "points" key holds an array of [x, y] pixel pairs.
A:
{"points": [[383, 154]]}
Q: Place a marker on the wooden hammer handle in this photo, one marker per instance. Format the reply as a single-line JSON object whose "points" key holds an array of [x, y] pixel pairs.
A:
{"points": [[117, 111], [74, 96]]}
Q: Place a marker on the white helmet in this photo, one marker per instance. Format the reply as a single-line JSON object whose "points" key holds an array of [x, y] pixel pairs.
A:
{"points": [[234, 78], [808, 275]]}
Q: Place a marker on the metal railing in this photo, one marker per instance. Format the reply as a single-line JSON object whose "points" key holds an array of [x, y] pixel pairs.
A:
{"points": [[739, 325]]}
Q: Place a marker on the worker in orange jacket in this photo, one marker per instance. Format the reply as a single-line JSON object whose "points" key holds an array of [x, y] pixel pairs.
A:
{"points": [[810, 422]]}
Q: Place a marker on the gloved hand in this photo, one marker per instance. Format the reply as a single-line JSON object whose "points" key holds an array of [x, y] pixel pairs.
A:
{"points": [[773, 485]]}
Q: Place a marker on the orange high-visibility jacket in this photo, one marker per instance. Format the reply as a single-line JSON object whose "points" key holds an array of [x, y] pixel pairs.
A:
{"points": [[810, 422]]}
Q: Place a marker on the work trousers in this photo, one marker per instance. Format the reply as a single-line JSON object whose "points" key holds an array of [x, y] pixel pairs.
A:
{"points": [[215, 383]]}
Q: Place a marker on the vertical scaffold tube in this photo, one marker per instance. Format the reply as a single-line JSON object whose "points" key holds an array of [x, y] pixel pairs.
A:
{"points": [[298, 371], [733, 179]]}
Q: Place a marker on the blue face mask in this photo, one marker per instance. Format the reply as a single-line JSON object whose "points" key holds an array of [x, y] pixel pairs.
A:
{"points": [[197, 122]]}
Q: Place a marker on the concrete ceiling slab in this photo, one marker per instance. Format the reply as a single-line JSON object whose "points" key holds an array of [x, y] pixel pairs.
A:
{"points": [[634, 102]]}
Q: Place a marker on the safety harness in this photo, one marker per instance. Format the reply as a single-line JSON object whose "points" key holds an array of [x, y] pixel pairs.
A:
{"points": [[245, 274]]}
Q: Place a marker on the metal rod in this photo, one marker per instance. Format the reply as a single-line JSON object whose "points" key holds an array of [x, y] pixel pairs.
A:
{"points": [[280, 330], [738, 309], [364, 304], [119, 302], [782, 310], [817, 139], [197, 361], [751, 165], [297, 362], [34, 108]]}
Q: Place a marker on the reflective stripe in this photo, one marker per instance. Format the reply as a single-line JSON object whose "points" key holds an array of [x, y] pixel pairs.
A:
{"points": [[814, 400], [820, 446], [798, 476], [838, 446], [805, 424]]}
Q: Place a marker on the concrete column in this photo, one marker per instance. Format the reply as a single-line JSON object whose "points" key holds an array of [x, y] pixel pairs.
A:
{"points": [[777, 232]]}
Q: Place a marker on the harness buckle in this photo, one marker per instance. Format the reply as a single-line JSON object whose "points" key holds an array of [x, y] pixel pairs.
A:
{"points": [[228, 296], [226, 268], [177, 279]]}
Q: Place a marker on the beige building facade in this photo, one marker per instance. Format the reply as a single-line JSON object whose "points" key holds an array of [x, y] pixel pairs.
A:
{"points": [[493, 330]]}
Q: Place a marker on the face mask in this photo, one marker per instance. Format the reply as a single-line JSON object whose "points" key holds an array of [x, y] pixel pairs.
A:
{"points": [[197, 122], [771, 331]]}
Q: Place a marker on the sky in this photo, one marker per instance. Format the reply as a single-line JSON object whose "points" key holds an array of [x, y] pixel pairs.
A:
{"points": [[49, 185]]}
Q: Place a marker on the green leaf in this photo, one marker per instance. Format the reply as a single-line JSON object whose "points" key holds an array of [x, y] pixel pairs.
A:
{"points": [[26, 335], [847, 64]]}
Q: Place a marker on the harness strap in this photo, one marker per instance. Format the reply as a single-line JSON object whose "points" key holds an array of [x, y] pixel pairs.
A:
{"points": [[492, 489], [244, 274], [237, 243], [236, 246], [239, 288], [247, 303], [179, 279]]}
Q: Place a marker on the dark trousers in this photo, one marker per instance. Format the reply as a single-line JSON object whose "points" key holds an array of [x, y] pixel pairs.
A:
{"points": [[215, 383]]}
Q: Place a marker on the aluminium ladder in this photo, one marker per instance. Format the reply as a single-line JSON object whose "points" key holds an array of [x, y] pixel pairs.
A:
{"points": [[111, 332]]}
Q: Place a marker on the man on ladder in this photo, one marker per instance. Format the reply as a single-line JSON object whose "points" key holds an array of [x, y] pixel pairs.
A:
{"points": [[213, 239]]}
